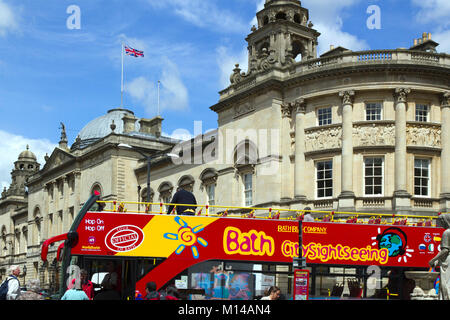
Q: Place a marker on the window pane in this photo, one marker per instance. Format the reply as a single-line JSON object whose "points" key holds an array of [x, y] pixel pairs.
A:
{"points": [[324, 116], [324, 179], [373, 176], [421, 177]]}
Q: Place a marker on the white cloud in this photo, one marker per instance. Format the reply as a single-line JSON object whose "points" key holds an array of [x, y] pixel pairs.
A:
{"points": [[326, 16], [8, 18], [227, 60], [443, 38], [332, 34], [433, 11], [204, 14], [12, 145], [173, 93]]}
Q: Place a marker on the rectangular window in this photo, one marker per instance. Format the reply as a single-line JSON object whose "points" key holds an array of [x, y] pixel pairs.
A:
{"points": [[211, 190], [248, 189], [373, 176], [422, 177], [422, 111], [324, 179], [373, 111], [324, 116]]}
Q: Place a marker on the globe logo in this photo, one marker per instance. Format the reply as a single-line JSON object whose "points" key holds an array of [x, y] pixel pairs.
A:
{"points": [[394, 240], [393, 243]]}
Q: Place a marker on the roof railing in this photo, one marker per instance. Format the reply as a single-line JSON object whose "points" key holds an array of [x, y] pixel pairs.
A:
{"points": [[272, 213]]}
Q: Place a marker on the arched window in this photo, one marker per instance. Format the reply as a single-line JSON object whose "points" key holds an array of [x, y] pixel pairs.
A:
{"points": [[281, 16], [297, 50], [3, 245], [36, 231], [245, 159], [143, 195], [245, 153], [165, 192], [209, 180], [297, 18], [265, 20], [96, 187], [187, 183]]}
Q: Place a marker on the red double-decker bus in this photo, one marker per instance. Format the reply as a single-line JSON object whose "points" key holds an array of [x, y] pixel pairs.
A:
{"points": [[215, 257]]}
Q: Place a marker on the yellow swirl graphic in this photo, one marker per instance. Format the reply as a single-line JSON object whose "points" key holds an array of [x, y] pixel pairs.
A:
{"points": [[187, 236]]}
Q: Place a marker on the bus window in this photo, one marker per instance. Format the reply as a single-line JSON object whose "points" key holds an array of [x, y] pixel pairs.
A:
{"points": [[214, 280]]}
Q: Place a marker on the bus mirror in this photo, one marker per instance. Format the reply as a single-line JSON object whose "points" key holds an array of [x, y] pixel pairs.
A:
{"points": [[72, 239]]}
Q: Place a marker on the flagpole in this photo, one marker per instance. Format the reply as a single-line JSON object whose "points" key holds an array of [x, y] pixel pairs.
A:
{"points": [[121, 90], [159, 82]]}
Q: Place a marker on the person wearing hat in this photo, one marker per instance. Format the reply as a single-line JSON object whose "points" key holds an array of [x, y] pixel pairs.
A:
{"points": [[183, 197]]}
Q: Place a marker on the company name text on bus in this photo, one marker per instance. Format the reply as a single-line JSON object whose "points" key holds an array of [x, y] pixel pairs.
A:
{"points": [[258, 243]]}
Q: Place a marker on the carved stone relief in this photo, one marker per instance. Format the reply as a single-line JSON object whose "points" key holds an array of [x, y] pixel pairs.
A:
{"points": [[323, 138], [423, 135], [366, 135]]}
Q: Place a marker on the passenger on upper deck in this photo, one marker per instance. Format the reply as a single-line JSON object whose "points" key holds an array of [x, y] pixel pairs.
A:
{"points": [[183, 197]]}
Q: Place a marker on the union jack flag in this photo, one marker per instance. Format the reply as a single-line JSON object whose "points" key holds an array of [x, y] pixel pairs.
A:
{"points": [[133, 52]]}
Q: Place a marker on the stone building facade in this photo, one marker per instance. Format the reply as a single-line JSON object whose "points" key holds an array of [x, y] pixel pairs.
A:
{"points": [[348, 131]]}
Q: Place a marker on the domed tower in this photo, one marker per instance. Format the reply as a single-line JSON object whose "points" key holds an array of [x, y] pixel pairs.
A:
{"points": [[284, 34], [25, 166]]}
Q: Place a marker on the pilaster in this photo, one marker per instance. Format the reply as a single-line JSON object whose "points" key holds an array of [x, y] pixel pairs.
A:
{"points": [[445, 155], [402, 199], [347, 196], [299, 109]]}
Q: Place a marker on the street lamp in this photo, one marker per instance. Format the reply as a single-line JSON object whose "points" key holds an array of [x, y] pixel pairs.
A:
{"points": [[148, 158]]}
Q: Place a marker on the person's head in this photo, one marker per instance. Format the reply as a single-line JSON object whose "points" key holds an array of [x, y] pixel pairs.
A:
{"points": [[33, 285], [274, 293], [83, 275], [443, 221], [172, 291], [14, 270], [307, 210], [151, 286]]}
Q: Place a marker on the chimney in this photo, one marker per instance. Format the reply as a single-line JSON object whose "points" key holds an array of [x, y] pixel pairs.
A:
{"points": [[129, 123], [415, 42], [424, 36], [429, 36], [152, 126], [331, 47]]}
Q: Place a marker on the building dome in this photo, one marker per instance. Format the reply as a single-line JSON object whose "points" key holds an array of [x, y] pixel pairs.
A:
{"points": [[27, 155], [101, 126]]}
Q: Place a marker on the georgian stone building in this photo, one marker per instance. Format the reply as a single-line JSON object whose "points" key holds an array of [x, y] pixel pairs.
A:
{"points": [[347, 131]]}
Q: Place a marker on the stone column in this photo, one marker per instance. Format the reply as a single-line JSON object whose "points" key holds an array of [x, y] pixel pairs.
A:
{"points": [[347, 196], [445, 155], [285, 148], [299, 108], [402, 199]]}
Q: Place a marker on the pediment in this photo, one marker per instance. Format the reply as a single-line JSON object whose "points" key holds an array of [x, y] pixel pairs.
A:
{"points": [[57, 159]]}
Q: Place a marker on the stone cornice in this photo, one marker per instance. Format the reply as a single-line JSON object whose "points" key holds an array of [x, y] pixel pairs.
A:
{"points": [[253, 85]]}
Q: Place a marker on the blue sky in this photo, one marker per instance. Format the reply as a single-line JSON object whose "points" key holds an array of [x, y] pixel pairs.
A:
{"points": [[51, 74]]}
